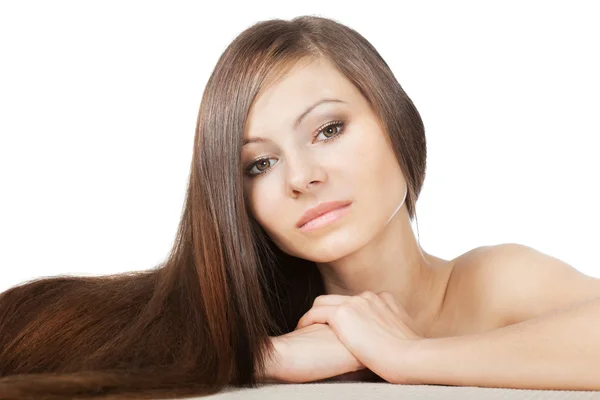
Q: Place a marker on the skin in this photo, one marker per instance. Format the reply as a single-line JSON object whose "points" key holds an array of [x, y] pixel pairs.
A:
{"points": [[373, 247]]}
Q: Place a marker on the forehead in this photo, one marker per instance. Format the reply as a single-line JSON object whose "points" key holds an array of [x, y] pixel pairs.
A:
{"points": [[304, 84]]}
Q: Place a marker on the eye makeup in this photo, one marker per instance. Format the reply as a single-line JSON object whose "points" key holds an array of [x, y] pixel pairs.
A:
{"points": [[335, 124]]}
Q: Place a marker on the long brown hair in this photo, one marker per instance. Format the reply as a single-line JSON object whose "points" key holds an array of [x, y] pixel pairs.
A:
{"points": [[201, 319]]}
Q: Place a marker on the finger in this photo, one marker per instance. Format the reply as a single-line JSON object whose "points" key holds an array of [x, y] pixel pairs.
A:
{"points": [[367, 294], [327, 300], [389, 300], [399, 311], [374, 298], [319, 314], [330, 299]]}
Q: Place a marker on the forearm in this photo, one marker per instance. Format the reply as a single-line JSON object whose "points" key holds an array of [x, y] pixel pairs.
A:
{"points": [[560, 350], [272, 366]]}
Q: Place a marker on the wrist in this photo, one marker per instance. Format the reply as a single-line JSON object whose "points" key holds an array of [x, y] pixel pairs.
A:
{"points": [[417, 361], [273, 363]]}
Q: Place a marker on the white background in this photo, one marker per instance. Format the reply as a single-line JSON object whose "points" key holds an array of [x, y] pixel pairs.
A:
{"points": [[98, 103]]}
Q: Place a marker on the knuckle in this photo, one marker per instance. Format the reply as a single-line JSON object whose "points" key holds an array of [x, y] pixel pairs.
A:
{"points": [[357, 299], [386, 295], [343, 309], [368, 294]]}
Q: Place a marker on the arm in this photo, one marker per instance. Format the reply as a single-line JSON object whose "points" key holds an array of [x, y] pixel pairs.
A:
{"points": [[272, 365], [309, 354], [559, 350]]}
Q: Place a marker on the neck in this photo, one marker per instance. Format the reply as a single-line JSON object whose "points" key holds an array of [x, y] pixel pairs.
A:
{"points": [[393, 261]]}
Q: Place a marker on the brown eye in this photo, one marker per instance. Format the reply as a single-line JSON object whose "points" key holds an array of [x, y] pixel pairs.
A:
{"points": [[262, 163], [331, 129]]}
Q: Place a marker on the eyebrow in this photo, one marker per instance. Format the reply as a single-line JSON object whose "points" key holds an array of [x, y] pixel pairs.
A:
{"points": [[298, 120]]}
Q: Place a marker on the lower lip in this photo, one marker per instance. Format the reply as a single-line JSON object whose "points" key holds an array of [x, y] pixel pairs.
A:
{"points": [[325, 219]]}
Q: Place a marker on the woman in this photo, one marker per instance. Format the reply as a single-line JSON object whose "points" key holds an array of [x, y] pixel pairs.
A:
{"points": [[298, 118]]}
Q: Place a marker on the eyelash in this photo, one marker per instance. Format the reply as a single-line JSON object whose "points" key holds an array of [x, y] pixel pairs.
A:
{"points": [[339, 124]]}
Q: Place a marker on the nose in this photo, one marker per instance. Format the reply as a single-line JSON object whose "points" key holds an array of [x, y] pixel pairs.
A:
{"points": [[303, 174]]}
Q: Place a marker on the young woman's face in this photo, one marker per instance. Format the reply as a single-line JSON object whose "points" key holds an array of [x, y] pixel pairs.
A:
{"points": [[338, 151]]}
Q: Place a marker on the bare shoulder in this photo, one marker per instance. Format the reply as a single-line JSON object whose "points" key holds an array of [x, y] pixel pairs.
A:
{"points": [[488, 272], [507, 283], [473, 303]]}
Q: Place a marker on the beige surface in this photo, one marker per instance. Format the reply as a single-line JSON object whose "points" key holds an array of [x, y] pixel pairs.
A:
{"points": [[384, 390]]}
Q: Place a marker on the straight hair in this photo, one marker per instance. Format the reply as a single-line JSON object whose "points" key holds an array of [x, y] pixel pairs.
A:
{"points": [[202, 318]]}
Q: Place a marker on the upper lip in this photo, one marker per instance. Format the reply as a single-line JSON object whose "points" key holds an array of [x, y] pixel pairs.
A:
{"points": [[321, 209]]}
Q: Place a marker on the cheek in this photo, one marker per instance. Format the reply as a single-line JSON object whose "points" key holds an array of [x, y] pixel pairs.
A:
{"points": [[368, 163], [265, 206], [377, 174]]}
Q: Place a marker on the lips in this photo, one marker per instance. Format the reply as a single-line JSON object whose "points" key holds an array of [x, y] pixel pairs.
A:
{"points": [[321, 209]]}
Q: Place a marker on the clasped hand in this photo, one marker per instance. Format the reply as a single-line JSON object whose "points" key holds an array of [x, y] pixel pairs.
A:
{"points": [[367, 331]]}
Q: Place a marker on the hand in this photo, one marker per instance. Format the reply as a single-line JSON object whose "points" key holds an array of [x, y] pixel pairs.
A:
{"points": [[372, 327], [310, 354]]}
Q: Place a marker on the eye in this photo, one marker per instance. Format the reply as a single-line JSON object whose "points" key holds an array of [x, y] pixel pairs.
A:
{"points": [[332, 128], [333, 125], [260, 163]]}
